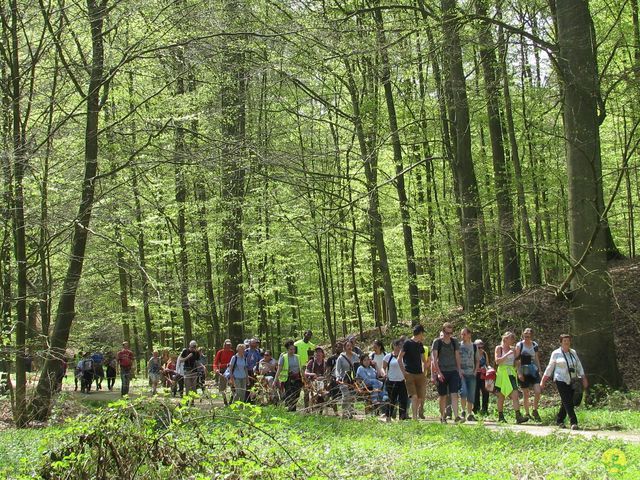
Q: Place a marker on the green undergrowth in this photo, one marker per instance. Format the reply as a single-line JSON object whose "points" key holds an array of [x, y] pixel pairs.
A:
{"points": [[151, 439]]}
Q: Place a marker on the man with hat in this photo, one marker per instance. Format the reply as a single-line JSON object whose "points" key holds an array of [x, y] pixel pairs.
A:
{"points": [[220, 364]]}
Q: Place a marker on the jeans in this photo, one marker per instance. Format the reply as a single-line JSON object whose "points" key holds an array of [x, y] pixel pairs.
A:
{"points": [[125, 377], [397, 397], [468, 388], [375, 384], [240, 389], [566, 406]]}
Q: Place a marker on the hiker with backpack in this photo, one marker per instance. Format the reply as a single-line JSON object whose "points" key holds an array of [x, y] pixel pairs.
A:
{"points": [[415, 368], [470, 363], [566, 370], [448, 371], [481, 398], [125, 359], [506, 383], [237, 374], [528, 356], [154, 369], [289, 375], [346, 365], [98, 368], [87, 373], [395, 383], [189, 358], [112, 366]]}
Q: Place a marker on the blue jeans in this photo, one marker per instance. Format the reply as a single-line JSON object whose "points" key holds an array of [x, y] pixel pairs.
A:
{"points": [[375, 384], [468, 388], [125, 376]]}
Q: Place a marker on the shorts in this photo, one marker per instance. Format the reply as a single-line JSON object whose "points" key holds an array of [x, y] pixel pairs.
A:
{"points": [[468, 388], [451, 383], [416, 385], [529, 381]]}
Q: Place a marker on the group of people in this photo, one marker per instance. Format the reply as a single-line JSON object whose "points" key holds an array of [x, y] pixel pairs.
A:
{"points": [[460, 368], [94, 366]]}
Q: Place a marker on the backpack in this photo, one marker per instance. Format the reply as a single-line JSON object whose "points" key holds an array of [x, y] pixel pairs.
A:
{"points": [[453, 342], [87, 365]]}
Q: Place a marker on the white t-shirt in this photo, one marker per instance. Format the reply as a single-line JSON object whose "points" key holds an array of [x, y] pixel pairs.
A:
{"points": [[394, 374], [378, 358]]}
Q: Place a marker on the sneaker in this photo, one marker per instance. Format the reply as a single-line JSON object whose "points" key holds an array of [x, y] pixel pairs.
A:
{"points": [[536, 416], [459, 420], [471, 418], [574, 427], [443, 419], [501, 418]]}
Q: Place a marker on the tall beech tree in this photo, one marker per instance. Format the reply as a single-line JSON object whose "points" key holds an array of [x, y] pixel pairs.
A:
{"points": [[590, 288]]}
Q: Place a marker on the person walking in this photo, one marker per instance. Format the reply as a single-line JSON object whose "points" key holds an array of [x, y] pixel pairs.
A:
{"points": [[112, 370], [528, 356], [396, 386], [481, 398], [126, 360], [506, 384], [345, 371], [414, 368], [289, 375], [447, 370], [154, 368], [305, 350], [237, 374], [566, 370], [470, 364], [190, 357], [220, 364]]}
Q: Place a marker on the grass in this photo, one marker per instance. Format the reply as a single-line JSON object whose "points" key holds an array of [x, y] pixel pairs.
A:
{"points": [[278, 445]]}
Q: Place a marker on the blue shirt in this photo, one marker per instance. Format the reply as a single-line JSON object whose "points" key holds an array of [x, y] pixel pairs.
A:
{"points": [[97, 358], [367, 374], [252, 357], [239, 367]]}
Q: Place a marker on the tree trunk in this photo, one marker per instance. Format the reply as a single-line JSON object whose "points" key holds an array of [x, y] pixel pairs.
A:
{"points": [[591, 296], [369, 159], [397, 157], [506, 227], [65, 314], [20, 243], [233, 94], [463, 162]]}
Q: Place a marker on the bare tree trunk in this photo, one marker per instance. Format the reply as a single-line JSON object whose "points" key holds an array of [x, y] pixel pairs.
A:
{"points": [[591, 292], [407, 233], [97, 11], [463, 163], [506, 226]]}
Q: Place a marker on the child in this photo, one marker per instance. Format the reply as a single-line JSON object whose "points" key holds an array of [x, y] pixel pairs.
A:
{"points": [[370, 377]]}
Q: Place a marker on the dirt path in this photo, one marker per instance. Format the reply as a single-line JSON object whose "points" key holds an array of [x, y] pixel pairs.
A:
{"points": [[537, 430]]}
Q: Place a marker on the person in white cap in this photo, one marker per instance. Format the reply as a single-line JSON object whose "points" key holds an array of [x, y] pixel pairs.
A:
{"points": [[190, 357]]}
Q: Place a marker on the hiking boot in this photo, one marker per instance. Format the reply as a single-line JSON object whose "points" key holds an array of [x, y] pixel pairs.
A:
{"points": [[536, 416], [501, 418], [574, 427], [471, 418], [520, 418], [459, 420]]}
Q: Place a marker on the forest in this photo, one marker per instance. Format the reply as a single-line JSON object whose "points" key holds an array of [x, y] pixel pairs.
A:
{"points": [[185, 169]]}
